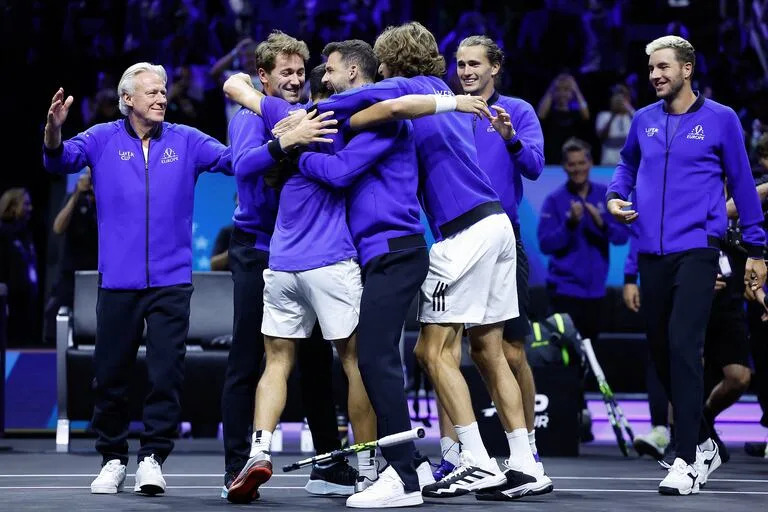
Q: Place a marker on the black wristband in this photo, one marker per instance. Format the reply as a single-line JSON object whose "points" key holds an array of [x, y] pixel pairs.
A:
{"points": [[630, 278], [275, 150]]}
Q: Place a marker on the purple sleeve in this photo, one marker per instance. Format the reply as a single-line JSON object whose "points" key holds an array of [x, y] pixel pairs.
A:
{"points": [[250, 154], [527, 147], [625, 175], [742, 187], [210, 154], [274, 109], [343, 168], [345, 104], [74, 154], [554, 233]]}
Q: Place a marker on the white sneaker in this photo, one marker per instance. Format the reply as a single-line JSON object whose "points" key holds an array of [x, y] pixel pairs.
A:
{"points": [[424, 472], [707, 460], [654, 443], [366, 476], [682, 479], [467, 477], [149, 477], [111, 478], [386, 492]]}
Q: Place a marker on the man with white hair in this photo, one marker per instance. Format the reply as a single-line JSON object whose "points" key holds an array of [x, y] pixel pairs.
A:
{"points": [[675, 158], [144, 173]]}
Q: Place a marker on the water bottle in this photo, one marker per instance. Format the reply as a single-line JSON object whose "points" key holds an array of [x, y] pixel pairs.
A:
{"points": [[307, 446], [277, 440]]}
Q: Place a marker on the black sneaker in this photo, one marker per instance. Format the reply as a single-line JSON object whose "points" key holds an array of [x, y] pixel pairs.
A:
{"points": [[229, 477], [517, 485], [757, 449], [338, 478], [467, 477]]}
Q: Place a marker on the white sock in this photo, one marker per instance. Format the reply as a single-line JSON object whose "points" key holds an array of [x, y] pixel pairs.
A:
{"points": [[709, 444], [260, 442], [520, 455], [450, 450], [532, 444], [469, 437], [366, 464]]}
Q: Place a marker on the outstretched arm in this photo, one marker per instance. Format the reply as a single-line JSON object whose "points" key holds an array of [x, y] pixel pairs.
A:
{"points": [[412, 106]]}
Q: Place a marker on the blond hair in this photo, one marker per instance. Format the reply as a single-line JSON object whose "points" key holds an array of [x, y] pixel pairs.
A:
{"points": [[684, 51], [279, 42], [409, 50]]}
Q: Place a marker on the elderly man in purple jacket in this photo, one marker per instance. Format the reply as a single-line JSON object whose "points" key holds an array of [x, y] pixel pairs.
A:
{"points": [[676, 156], [144, 175]]}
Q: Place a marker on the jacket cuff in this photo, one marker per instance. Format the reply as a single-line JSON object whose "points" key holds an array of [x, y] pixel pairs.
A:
{"points": [[613, 195], [630, 278], [275, 150], [515, 145], [53, 152], [753, 251]]}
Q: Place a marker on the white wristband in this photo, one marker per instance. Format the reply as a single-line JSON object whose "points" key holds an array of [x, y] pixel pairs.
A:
{"points": [[444, 103]]}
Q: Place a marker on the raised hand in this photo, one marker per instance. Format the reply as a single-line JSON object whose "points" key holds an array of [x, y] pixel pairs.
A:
{"points": [[59, 109], [502, 123], [472, 105]]}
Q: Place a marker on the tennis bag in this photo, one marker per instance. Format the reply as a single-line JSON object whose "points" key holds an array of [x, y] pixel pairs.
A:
{"points": [[555, 342]]}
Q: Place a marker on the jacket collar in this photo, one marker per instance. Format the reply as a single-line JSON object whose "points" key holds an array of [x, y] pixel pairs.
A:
{"points": [[494, 98], [153, 134], [570, 187], [696, 104]]}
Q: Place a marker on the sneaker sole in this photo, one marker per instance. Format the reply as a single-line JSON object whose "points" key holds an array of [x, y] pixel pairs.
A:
{"points": [[246, 490], [514, 494], [325, 488], [150, 489], [644, 448], [674, 491], [107, 490], [408, 500]]}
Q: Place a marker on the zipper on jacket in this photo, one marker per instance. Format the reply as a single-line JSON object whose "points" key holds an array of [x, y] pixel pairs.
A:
{"points": [[146, 181], [664, 185]]}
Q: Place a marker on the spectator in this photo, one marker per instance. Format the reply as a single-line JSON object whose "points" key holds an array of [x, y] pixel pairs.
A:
{"points": [[575, 231], [564, 113], [182, 107], [18, 266], [242, 58], [613, 126], [79, 251]]}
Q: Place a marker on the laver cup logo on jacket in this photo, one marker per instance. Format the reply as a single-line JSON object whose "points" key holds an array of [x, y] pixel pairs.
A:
{"points": [[125, 155], [169, 155], [651, 131], [697, 133]]}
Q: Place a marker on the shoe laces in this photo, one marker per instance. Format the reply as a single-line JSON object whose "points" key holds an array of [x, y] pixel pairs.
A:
{"points": [[679, 467], [152, 461], [113, 466]]}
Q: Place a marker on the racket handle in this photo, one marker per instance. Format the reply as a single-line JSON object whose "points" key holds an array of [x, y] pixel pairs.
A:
{"points": [[402, 437]]}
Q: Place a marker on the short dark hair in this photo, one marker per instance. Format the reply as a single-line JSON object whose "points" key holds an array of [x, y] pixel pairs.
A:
{"points": [[317, 89], [357, 52], [576, 144]]}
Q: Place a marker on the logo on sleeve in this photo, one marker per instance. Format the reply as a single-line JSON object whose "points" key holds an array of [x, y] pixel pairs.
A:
{"points": [[125, 155], [169, 155], [650, 132], [697, 133]]}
